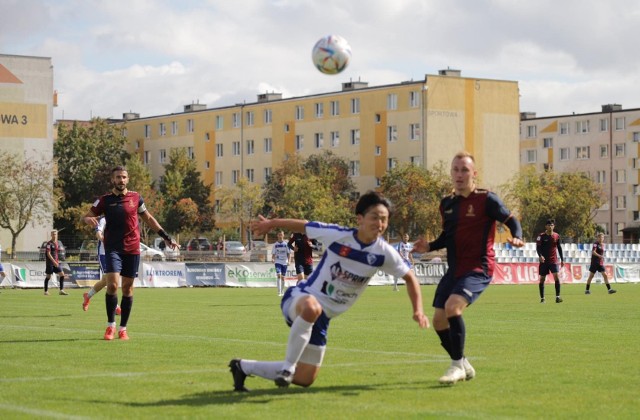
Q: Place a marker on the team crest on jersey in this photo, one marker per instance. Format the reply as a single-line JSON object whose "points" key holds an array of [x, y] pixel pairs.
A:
{"points": [[471, 211], [131, 203], [344, 251], [371, 259]]}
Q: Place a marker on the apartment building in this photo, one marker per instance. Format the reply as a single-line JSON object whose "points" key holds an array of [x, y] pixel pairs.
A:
{"points": [[603, 145], [373, 127]]}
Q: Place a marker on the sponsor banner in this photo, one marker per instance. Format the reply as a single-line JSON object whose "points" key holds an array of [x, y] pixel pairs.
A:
{"points": [[251, 275], [580, 273], [84, 274], [204, 274], [162, 274], [627, 273], [31, 274], [526, 273]]}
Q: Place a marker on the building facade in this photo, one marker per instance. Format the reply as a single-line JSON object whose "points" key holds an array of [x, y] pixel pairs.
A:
{"points": [[26, 126], [603, 145]]}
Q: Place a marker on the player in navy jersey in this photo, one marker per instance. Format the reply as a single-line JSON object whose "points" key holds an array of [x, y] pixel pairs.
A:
{"points": [[597, 264], [52, 264], [469, 217], [352, 257], [548, 247], [121, 209]]}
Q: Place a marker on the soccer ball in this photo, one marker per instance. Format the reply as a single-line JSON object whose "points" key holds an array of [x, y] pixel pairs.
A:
{"points": [[331, 54]]}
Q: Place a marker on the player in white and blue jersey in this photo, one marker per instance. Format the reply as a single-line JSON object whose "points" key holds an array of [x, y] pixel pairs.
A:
{"points": [[352, 257], [404, 249], [281, 254]]}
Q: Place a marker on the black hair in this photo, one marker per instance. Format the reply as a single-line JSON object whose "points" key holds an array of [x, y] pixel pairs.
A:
{"points": [[118, 168], [551, 221], [372, 198]]}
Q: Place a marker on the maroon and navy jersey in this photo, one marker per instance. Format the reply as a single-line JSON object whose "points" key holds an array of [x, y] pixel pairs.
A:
{"points": [[121, 212], [468, 230], [598, 248], [548, 246], [52, 248], [304, 255]]}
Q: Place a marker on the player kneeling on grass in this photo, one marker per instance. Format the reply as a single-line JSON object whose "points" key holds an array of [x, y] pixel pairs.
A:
{"points": [[352, 257]]}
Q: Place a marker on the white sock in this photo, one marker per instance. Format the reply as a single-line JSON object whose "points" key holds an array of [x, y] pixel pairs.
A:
{"points": [[111, 324], [122, 328], [299, 337], [458, 363], [267, 370], [91, 293]]}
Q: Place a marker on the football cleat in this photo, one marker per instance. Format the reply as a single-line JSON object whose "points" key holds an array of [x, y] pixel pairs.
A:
{"points": [[283, 378], [85, 302], [612, 291], [587, 292], [118, 310], [109, 333], [63, 293], [122, 335], [238, 376], [558, 299], [453, 375], [469, 371], [541, 300]]}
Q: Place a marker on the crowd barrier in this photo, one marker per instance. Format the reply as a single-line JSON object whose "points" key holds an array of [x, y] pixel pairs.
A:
{"points": [[256, 274]]}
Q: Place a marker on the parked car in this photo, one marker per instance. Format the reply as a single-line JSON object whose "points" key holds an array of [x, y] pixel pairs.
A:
{"points": [[89, 250], [257, 245], [62, 252], [148, 253], [170, 253], [199, 244], [234, 248]]}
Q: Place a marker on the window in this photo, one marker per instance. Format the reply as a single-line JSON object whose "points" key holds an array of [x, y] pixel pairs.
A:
{"points": [[190, 153], [162, 129], [267, 173], [564, 153], [286, 128], [582, 126], [532, 131], [147, 155], [268, 116], [635, 163], [355, 105], [137, 144], [218, 178], [299, 112], [250, 118], [190, 126], [147, 131], [207, 165], [207, 137], [620, 176], [604, 124], [299, 141], [636, 215], [249, 175], [124, 132], [414, 99], [235, 118], [268, 144], [334, 108], [601, 177], [531, 156], [582, 152], [378, 118], [620, 149], [620, 124], [355, 136], [250, 147], [636, 136], [392, 133], [318, 140], [392, 101], [235, 176], [619, 227], [564, 128], [415, 160], [236, 148], [335, 138], [605, 228], [547, 142], [604, 150], [318, 108], [174, 128], [219, 150], [414, 131], [391, 163], [219, 122], [163, 155], [354, 168], [378, 150], [636, 189]]}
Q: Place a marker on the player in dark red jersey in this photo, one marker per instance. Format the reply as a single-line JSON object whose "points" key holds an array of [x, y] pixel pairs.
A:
{"points": [[302, 248], [52, 264], [121, 209], [549, 248], [469, 217], [597, 264]]}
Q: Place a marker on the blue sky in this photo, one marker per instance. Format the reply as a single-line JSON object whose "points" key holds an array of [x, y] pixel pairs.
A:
{"points": [[154, 57]]}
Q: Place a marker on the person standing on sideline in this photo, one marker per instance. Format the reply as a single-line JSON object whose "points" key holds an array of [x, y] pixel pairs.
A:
{"points": [[469, 217], [52, 263], [404, 249], [352, 257], [121, 209], [103, 264], [2, 273], [597, 264], [302, 248], [280, 254], [548, 248]]}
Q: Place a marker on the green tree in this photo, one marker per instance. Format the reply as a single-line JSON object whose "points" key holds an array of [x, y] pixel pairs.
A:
{"points": [[85, 155], [26, 193], [140, 180], [572, 198], [239, 205], [416, 193], [183, 216]]}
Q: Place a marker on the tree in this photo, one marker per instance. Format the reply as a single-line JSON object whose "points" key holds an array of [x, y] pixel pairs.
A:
{"points": [[416, 193], [140, 181], [183, 216], [571, 198], [240, 204], [85, 155], [26, 193]]}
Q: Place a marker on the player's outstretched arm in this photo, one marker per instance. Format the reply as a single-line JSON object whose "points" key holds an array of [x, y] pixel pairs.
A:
{"points": [[415, 295], [261, 226]]}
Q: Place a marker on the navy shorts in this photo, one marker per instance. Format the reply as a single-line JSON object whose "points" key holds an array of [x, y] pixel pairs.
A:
{"points": [[50, 269], [593, 268], [281, 269], [304, 268], [546, 268], [320, 327], [124, 264], [102, 259], [469, 286]]}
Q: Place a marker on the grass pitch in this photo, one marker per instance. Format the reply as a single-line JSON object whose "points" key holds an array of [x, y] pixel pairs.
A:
{"points": [[577, 359]]}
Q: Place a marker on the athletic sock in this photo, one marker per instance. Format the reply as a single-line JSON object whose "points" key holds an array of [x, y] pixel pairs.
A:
{"points": [[588, 286], [445, 340], [541, 288], [608, 286], [457, 335], [557, 288], [111, 302], [62, 283], [299, 337], [267, 370], [125, 307], [91, 293], [46, 285]]}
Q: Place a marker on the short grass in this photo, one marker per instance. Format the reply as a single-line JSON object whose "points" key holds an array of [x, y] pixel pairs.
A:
{"points": [[578, 359]]}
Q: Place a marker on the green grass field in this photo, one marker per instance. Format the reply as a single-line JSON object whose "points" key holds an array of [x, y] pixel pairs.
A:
{"points": [[578, 359]]}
